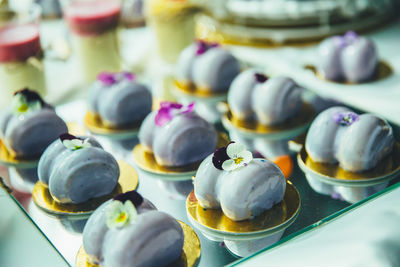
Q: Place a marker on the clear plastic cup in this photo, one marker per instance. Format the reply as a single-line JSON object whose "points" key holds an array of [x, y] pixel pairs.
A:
{"points": [[93, 30], [21, 55]]}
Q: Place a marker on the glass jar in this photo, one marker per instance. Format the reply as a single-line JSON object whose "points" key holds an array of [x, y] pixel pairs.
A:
{"points": [[21, 56], [174, 25], [93, 30]]}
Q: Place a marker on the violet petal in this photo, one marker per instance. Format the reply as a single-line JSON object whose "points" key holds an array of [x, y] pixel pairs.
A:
{"points": [[220, 156], [107, 78], [163, 116], [133, 196], [260, 78], [30, 95], [67, 136]]}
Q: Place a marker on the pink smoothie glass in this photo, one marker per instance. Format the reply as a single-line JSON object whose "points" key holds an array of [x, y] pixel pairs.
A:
{"points": [[93, 30], [20, 53]]}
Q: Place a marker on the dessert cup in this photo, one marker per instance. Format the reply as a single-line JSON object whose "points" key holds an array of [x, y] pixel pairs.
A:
{"points": [[244, 238], [93, 30], [21, 53], [127, 181], [174, 26], [190, 253], [270, 141], [331, 179]]}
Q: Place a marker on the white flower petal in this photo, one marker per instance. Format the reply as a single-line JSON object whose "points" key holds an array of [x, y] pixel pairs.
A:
{"points": [[234, 149], [130, 210], [247, 156], [86, 143], [68, 144], [114, 209], [229, 165], [77, 142]]}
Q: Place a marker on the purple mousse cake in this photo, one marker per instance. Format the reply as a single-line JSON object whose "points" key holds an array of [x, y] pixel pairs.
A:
{"points": [[243, 187], [356, 142], [119, 100], [270, 101], [176, 135], [207, 66], [349, 58], [77, 169], [129, 231], [28, 125]]}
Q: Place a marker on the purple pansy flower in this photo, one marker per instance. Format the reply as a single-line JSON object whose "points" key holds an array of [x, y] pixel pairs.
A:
{"points": [[260, 78], [133, 196], [345, 118], [347, 39], [110, 78], [168, 110], [203, 46]]}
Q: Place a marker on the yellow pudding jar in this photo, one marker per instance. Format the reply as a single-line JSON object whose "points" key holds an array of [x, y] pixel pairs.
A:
{"points": [[174, 25], [93, 27]]}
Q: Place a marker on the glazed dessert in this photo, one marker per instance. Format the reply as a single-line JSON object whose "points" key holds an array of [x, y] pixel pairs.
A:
{"points": [[173, 24], [20, 59], [119, 100], [243, 187], [176, 135], [129, 231], [207, 66], [77, 169], [93, 25], [254, 97], [356, 142], [28, 125], [349, 58]]}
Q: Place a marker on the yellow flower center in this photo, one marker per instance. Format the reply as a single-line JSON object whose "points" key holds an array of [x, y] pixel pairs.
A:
{"points": [[238, 160], [23, 108], [122, 217]]}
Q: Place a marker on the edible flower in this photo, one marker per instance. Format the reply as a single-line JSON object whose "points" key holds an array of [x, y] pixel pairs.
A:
{"points": [[26, 100], [203, 46], [120, 214], [168, 110], [348, 38], [122, 209], [74, 143], [260, 78], [110, 78], [232, 157], [345, 118]]}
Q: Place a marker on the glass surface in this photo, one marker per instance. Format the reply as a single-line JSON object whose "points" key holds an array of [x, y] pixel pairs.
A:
{"points": [[21, 242], [65, 236]]}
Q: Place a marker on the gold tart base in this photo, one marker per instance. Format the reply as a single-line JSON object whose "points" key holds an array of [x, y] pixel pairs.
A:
{"points": [[330, 173], [384, 70], [270, 221], [146, 161], [128, 180], [9, 158], [96, 126], [190, 253], [192, 90], [289, 129]]}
